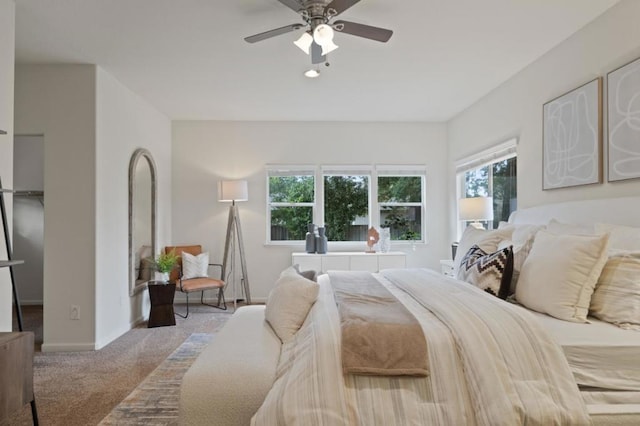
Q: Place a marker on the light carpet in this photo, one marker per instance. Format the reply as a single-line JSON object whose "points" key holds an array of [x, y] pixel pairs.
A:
{"points": [[155, 400]]}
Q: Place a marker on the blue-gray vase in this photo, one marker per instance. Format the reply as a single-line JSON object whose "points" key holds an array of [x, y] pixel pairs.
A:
{"points": [[310, 239], [321, 241]]}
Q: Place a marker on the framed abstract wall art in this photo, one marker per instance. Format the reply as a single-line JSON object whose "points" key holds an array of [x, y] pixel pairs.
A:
{"points": [[623, 108], [572, 138]]}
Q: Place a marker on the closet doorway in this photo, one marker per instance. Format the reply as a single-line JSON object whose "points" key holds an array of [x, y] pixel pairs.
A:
{"points": [[28, 226]]}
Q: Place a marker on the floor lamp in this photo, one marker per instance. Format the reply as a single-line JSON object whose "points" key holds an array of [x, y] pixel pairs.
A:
{"points": [[232, 191]]}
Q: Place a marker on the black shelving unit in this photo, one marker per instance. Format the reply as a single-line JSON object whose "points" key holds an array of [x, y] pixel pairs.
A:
{"points": [[10, 263]]}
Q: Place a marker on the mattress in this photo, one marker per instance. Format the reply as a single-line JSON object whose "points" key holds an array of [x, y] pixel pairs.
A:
{"points": [[601, 355]]}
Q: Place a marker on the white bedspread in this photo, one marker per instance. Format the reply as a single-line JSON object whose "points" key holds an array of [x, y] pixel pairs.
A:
{"points": [[600, 354], [490, 365]]}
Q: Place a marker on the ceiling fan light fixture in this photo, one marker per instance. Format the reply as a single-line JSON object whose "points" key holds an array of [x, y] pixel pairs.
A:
{"points": [[323, 34], [329, 47], [304, 42], [312, 73]]}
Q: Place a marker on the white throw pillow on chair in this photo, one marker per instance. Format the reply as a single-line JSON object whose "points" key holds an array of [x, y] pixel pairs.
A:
{"points": [[195, 266]]}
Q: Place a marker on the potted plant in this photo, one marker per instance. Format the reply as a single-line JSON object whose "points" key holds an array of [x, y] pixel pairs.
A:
{"points": [[165, 262]]}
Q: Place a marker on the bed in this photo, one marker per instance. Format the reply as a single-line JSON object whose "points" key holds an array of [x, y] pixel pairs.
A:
{"points": [[581, 373]]}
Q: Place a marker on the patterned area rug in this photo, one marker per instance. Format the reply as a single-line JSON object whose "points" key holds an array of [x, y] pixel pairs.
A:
{"points": [[155, 400]]}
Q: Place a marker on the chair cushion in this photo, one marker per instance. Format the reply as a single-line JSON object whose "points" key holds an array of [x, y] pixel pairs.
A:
{"points": [[194, 250], [199, 284], [195, 266]]}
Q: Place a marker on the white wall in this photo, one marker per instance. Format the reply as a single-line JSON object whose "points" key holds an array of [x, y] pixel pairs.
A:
{"points": [[58, 101], [515, 108], [7, 42], [124, 122], [204, 152], [91, 126]]}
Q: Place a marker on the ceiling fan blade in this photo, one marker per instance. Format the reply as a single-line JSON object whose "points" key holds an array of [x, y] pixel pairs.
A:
{"points": [[272, 33], [292, 4], [361, 30], [336, 7], [316, 54]]}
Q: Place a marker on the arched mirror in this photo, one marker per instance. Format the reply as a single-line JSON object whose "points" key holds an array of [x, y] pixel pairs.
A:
{"points": [[142, 219]]}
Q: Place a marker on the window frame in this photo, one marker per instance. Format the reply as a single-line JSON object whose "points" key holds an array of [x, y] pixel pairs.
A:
{"points": [[297, 170], [486, 157], [404, 171], [372, 172]]}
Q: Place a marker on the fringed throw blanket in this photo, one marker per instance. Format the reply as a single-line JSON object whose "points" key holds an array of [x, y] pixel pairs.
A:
{"points": [[379, 335]]}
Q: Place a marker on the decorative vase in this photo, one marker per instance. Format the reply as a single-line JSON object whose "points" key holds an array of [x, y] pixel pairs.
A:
{"points": [[321, 241], [385, 240], [310, 239], [162, 277]]}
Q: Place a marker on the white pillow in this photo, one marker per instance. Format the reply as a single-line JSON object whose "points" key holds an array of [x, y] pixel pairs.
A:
{"points": [[617, 295], [486, 240], [560, 273], [624, 238], [289, 303], [569, 228], [522, 241], [195, 266]]}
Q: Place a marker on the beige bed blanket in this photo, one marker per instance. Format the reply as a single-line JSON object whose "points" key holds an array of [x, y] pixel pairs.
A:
{"points": [[379, 335], [489, 365]]}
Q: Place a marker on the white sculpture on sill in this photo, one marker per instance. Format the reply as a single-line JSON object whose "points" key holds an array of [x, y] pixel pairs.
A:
{"points": [[384, 244]]}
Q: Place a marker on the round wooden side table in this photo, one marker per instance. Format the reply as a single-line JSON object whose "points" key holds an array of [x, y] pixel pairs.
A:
{"points": [[161, 296]]}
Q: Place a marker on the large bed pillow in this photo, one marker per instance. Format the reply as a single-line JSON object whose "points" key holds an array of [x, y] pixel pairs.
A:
{"points": [[490, 272], [558, 227], [486, 240], [560, 273], [616, 298], [621, 238], [521, 241], [289, 303]]}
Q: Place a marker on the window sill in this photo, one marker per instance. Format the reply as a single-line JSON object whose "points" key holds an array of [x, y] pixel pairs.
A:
{"points": [[346, 245]]}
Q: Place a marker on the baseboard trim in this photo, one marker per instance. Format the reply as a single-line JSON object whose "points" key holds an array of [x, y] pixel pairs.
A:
{"points": [[214, 300], [31, 302]]}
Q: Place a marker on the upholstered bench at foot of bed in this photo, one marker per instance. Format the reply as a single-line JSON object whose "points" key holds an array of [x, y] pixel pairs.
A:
{"points": [[229, 380]]}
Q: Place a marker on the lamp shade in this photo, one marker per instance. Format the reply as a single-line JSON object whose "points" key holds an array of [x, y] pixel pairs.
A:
{"points": [[304, 42], [477, 208], [323, 35], [233, 190]]}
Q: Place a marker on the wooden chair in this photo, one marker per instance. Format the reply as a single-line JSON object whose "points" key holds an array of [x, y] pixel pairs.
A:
{"points": [[196, 284]]}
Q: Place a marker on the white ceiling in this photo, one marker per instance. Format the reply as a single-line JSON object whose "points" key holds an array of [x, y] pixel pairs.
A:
{"points": [[188, 57]]}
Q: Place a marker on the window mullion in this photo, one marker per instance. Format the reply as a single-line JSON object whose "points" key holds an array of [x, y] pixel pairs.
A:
{"points": [[318, 212], [374, 210]]}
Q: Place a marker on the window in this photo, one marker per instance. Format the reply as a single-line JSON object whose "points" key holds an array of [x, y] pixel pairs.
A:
{"points": [[348, 200], [346, 206], [291, 204], [492, 173], [400, 206]]}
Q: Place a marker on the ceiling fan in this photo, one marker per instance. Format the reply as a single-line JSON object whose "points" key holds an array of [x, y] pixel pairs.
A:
{"points": [[318, 37]]}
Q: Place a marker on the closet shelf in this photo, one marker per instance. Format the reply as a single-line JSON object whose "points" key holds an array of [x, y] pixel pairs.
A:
{"points": [[17, 193], [7, 263]]}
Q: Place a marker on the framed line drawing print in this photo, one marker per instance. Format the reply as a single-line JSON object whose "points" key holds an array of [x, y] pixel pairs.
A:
{"points": [[623, 109], [572, 138]]}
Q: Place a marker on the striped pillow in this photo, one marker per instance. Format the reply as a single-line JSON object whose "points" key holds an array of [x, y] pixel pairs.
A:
{"points": [[490, 272], [617, 295]]}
